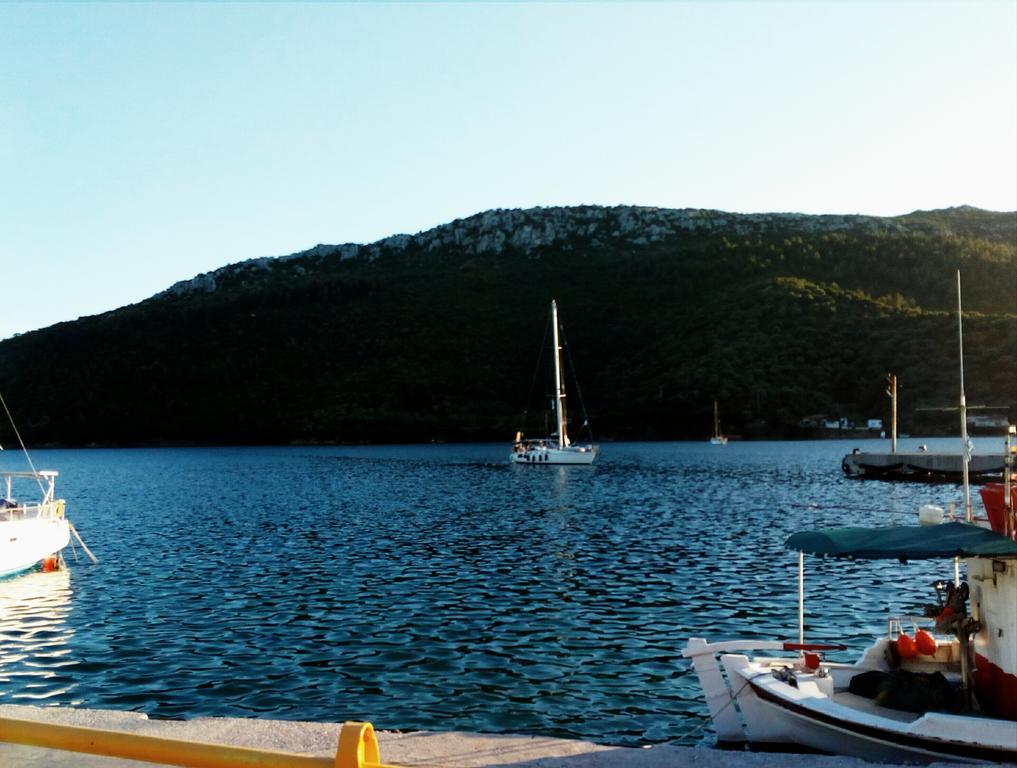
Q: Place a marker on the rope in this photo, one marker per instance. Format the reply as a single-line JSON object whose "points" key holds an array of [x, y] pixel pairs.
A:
{"points": [[74, 549], [82, 543], [698, 731], [536, 372], [22, 443]]}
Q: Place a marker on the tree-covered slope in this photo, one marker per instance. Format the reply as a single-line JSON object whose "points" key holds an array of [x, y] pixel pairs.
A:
{"points": [[435, 336]]}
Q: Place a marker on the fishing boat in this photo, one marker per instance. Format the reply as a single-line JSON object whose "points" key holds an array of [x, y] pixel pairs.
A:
{"points": [[555, 448], [32, 533], [718, 438], [904, 699], [917, 699]]}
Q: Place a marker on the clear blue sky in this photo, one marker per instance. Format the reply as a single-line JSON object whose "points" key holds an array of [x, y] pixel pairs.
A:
{"points": [[141, 144]]}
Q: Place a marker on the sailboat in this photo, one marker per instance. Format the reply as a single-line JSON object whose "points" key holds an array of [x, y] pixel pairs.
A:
{"points": [[32, 532], [556, 448], [717, 439]]}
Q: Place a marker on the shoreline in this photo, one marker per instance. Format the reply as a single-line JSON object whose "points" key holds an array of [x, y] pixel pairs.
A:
{"points": [[422, 749]]}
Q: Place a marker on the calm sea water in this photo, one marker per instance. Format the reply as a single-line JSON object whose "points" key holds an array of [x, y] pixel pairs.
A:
{"points": [[440, 587]]}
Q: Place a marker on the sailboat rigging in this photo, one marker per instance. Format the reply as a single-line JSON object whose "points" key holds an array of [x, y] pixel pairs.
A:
{"points": [[556, 448]]}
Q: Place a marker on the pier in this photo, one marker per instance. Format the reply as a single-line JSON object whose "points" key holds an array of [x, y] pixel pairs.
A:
{"points": [[923, 466], [417, 749]]}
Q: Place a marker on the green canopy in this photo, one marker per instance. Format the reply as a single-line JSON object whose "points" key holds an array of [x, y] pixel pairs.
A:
{"points": [[905, 543]]}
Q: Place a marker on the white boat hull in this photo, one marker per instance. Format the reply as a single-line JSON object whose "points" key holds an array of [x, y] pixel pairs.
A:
{"points": [[806, 716], [573, 454], [718, 441], [812, 714], [25, 543]]}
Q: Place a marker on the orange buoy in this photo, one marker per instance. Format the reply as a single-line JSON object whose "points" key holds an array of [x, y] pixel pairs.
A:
{"points": [[50, 563], [925, 642], [906, 647]]}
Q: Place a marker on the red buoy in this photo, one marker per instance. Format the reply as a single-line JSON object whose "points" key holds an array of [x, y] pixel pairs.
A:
{"points": [[925, 642], [50, 563], [906, 647]]}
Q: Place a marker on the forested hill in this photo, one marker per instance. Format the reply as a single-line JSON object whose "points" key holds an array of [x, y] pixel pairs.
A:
{"points": [[435, 336]]}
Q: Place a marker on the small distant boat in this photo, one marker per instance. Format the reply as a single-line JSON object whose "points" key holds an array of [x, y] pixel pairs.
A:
{"points": [[32, 533], [718, 438], [556, 448]]}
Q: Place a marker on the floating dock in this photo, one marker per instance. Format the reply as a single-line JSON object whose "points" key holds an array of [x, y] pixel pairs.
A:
{"points": [[923, 466]]}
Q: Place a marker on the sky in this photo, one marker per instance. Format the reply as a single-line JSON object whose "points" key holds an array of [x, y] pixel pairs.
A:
{"points": [[146, 143]]}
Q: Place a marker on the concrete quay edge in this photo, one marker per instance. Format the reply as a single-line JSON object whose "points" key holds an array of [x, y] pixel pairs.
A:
{"points": [[416, 749]]}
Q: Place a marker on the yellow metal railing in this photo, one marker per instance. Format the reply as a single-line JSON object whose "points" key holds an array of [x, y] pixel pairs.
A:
{"points": [[358, 747]]}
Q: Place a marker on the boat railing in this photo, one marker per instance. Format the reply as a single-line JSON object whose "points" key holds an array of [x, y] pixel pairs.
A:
{"points": [[946, 651], [14, 510], [45, 479]]}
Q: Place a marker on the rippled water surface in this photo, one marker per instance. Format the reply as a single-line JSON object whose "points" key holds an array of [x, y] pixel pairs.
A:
{"points": [[440, 587]]}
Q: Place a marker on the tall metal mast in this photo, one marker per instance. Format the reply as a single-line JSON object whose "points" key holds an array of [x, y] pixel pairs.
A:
{"points": [[965, 445], [559, 393]]}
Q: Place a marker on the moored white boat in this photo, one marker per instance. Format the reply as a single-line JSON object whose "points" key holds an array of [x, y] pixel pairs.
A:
{"points": [[918, 699], [30, 531], [804, 701], [556, 448]]}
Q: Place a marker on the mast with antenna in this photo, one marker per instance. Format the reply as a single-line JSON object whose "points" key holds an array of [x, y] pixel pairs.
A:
{"points": [[965, 443], [559, 390]]}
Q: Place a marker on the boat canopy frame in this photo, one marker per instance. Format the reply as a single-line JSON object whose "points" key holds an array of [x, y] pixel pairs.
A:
{"points": [[946, 540]]}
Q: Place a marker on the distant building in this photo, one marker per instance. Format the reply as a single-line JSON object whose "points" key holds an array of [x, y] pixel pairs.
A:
{"points": [[841, 423], [875, 425], [988, 422]]}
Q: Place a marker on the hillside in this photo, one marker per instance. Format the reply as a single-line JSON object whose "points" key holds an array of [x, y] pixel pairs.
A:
{"points": [[435, 336]]}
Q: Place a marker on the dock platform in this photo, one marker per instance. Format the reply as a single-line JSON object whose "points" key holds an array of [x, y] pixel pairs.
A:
{"points": [[417, 749], [923, 466]]}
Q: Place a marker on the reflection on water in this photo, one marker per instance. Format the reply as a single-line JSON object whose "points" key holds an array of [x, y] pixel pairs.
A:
{"points": [[440, 587], [35, 637]]}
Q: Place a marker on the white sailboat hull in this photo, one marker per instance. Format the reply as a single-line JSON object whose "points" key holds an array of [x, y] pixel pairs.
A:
{"points": [[24, 543], [572, 454]]}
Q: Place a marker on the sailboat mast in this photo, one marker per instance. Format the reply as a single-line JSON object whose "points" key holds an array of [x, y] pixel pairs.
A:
{"points": [[965, 446], [558, 394], [716, 420]]}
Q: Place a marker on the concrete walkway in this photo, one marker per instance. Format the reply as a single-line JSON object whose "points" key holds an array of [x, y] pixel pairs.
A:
{"points": [[416, 749]]}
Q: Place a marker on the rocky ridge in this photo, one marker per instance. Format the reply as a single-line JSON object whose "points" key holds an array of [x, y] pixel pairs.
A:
{"points": [[527, 230]]}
